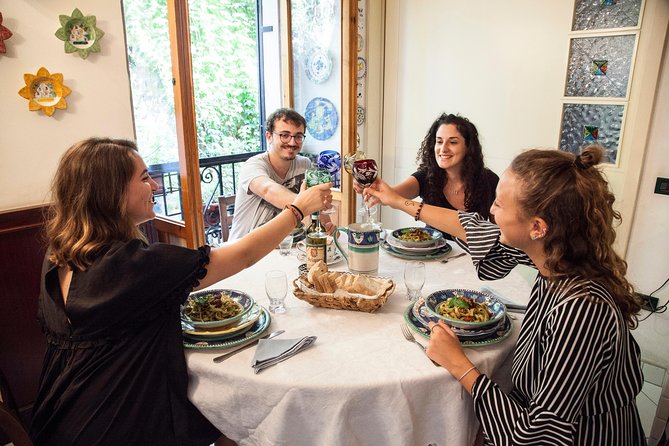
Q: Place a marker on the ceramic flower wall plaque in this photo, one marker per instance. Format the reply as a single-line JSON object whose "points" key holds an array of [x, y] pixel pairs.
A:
{"points": [[45, 91], [5, 34], [79, 33]]}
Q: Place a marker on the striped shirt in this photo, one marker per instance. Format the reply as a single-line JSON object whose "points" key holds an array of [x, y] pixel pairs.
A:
{"points": [[576, 368]]}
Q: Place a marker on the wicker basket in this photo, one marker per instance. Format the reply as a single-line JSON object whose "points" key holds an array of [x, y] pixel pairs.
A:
{"points": [[344, 301]]}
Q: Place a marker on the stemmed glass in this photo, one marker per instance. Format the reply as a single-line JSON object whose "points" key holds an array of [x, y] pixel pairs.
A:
{"points": [[276, 287], [314, 176], [365, 172]]}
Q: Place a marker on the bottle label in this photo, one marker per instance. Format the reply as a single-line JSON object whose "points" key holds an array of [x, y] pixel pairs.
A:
{"points": [[316, 248]]}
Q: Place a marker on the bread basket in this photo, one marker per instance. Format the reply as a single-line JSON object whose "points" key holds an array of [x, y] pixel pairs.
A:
{"points": [[341, 299]]}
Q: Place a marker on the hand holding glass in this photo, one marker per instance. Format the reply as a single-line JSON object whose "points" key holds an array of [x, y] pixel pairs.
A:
{"points": [[276, 287], [314, 176], [414, 279]]}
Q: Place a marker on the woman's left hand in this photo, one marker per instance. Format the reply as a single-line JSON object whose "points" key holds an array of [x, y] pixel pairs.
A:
{"points": [[445, 349]]}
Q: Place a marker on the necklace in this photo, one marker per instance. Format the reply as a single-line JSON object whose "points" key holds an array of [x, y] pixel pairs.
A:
{"points": [[454, 191]]}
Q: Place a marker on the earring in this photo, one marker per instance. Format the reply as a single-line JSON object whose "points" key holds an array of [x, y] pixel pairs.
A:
{"points": [[537, 236]]}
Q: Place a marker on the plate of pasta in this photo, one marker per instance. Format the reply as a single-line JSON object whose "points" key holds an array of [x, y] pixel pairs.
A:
{"points": [[465, 308], [215, 308], [416, 237]]}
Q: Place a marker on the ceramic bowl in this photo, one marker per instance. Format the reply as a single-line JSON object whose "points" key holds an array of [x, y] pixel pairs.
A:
{"points": [[242, 299], [430, 235], [497, 308]]}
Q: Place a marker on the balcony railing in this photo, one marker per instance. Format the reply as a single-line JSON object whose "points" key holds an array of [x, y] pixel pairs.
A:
{"points": [[218, 176]]}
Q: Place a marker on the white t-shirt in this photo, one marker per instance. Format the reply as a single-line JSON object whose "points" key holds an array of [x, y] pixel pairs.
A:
{"points": [[251, 210]]}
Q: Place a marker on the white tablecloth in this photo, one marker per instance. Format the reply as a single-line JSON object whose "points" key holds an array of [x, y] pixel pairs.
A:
{"points": [[361, 383]]}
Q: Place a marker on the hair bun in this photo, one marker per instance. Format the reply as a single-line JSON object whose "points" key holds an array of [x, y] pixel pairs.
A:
{"points": [[590, 155]]}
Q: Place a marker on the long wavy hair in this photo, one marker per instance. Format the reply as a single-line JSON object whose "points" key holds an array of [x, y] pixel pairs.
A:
{"points": [[89, 212], [477, 197], [575, 201]]}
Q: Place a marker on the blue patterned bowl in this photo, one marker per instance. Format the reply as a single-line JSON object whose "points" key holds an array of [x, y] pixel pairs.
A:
{"points": [[497, 308], [242, 299], [430, 235]]}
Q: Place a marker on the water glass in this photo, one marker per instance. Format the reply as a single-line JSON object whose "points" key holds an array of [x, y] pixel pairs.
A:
{"points": [[276, 287], [414, 279], [285, 245]]}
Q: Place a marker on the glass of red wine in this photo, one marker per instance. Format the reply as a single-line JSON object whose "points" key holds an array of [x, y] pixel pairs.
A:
{"points": [[365, 172]]}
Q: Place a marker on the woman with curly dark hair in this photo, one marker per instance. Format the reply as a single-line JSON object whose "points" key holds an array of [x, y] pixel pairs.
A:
{"points": [[576, 368], [451, 173]]}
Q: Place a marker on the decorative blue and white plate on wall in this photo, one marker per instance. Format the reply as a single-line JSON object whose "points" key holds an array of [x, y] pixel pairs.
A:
{"points": [[318, 65], [322, 118]]}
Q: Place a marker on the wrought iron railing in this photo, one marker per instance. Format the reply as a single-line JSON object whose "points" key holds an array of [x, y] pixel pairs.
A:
{"points": [[218, 176]]}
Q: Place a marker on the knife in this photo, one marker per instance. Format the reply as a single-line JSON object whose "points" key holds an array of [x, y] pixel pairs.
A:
{"points": [[245, 346]]}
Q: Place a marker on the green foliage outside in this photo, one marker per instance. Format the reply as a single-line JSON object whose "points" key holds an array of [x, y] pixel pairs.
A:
{"points": [[225, 77]]}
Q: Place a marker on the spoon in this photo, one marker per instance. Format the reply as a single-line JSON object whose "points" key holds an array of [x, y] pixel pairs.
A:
{"points": [[245, 346]]}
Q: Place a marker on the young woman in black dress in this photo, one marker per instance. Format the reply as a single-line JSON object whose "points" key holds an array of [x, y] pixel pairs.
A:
{"points": [[576, 368], [114, 372], [451, 173]]}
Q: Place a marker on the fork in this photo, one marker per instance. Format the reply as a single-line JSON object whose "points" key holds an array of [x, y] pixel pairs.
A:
{"points": [[409, 337], [448, 259]]}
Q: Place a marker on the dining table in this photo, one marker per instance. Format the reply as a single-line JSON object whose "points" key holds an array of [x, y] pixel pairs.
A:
{"points": [[361, 382]]}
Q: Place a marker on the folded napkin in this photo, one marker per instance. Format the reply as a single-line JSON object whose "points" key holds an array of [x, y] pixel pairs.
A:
{"points": [[273, 351]]}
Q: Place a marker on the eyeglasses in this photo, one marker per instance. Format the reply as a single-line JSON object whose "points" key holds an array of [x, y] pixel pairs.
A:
{"points": [[286, 137]]}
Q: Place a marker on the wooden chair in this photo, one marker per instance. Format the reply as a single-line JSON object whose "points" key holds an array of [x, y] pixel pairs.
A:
{"points": [[226, 209], [10, 424]]}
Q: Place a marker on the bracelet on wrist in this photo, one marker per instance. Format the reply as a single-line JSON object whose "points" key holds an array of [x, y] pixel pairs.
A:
{"points": [[299, 211], [420, 208], [296, 214], [466, 373]]}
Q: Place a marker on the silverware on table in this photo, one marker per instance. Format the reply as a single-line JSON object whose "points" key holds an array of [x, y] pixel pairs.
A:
{"points": [[245, 346], [409, 337], [448, 259], [511, 307]]}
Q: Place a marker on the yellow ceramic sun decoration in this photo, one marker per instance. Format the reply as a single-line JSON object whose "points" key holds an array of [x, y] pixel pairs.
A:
{"points": [[79, 33], [45, 91]]}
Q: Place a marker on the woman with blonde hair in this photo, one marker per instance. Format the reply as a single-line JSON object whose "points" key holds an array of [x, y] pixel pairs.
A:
{"points": [[576, 368], [114, 371]]}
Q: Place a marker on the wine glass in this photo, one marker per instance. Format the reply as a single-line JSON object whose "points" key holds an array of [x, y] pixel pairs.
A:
{"points": [[350, 158], [276, 287], [365, 172], [314, 176]]}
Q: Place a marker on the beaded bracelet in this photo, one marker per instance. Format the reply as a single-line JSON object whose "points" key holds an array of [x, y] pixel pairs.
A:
{"points": [[420, 208], [465, 374], [296, 213]]}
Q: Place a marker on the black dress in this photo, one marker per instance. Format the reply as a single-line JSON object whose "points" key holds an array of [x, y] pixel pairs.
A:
{"points": [[114, 372], [488, 185]]}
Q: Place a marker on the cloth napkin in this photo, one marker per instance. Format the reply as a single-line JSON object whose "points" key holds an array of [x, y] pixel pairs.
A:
{"points": [[273, 351]]}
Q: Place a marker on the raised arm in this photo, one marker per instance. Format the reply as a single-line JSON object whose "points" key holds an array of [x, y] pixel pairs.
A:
{"points": [[271, 191], [441, 218], [234, 257]]}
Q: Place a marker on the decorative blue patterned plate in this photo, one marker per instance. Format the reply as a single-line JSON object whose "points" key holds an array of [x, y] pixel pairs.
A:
{"points": [[257, 329], [440, 243], [497, 308], [424, 331], [241, 298], [318, 65], [217, 334], [441, 252], [322, 118], [424, 316]]}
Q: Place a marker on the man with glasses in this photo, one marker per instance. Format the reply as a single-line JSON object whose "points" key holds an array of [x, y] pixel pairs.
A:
{"points": [[270, 181]]}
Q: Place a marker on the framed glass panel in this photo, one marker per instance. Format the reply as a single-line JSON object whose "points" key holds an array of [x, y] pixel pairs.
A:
{"points": [[606, 14], [600, 66], [584, 124]]}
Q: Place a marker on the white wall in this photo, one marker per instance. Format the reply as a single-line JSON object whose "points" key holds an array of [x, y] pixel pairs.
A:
{"points": [[648, 253], [30, 142], [500, 64]]}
